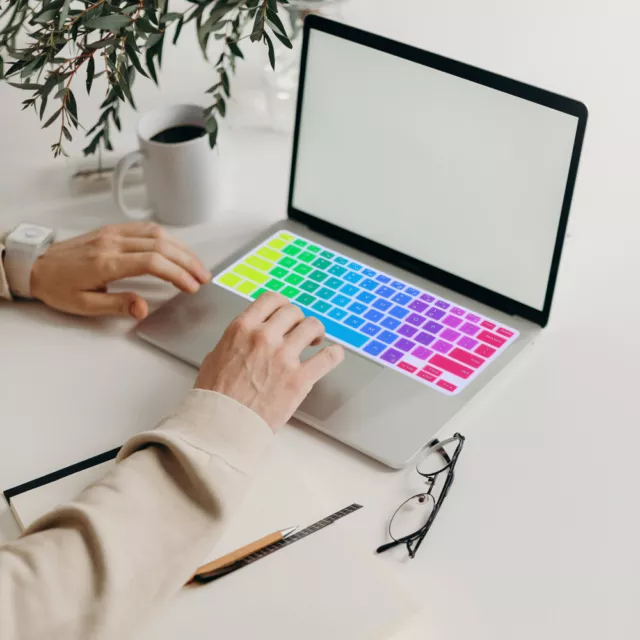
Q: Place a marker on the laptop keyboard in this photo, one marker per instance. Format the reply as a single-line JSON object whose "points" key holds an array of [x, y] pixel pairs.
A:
{"points": [[419, 334]]}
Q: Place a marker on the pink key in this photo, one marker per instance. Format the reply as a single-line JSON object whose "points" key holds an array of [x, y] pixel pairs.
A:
{"points": [[446, 385], [491, 339], [407, 367], [452, 321], [450, 335], [426, 376], [422, 353], [505, 332], [457, 311], [466, 358], [432, 370], [451, 366], [485, 351], [487, 325], [472, 317]]}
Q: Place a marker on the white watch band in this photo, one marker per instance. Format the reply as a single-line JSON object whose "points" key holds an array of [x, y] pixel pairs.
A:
{"points": [[23, 246]]}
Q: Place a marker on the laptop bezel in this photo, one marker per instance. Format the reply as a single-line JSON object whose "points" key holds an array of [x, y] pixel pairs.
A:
{"points": [[474, 74]]}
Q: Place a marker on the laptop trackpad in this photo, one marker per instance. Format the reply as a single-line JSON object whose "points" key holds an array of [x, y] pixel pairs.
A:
{"points": [[342, 385]]}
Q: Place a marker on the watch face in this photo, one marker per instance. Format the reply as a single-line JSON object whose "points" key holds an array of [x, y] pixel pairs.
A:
{"points": [[30, 234]]}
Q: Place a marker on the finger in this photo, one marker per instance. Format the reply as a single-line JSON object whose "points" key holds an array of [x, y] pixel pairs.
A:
{"points": [[112, 304], [174, 252], [284, 320], [129, 265], [263, 308], [323, 362], [307, 333]]}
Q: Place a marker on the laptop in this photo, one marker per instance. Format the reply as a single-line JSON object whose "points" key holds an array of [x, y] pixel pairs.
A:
{"points": [[427, 211]]}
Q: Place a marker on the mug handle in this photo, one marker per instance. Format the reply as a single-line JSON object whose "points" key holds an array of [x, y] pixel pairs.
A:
{"points": [[122, 167]]}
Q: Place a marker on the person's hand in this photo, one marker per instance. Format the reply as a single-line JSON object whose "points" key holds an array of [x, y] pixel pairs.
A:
{"points": [[73, 276], [257, 361]]}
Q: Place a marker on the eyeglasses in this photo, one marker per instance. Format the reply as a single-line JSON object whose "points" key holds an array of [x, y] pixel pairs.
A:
{"points": [[412, 520]]}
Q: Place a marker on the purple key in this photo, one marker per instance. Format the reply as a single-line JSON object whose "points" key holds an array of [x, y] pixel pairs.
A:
{"points": [[407, 330], [426, 297], [401, 298], [388, 337], [457, 311], [416, 319], [436, 314], [404, 344], [424, 338], [442, 304], [432, 327], [421, 353], [391, 355], [467, 343], [442, 347], [472, 317], [452, 321], [470, 329], [448, 334], [418, 306]]}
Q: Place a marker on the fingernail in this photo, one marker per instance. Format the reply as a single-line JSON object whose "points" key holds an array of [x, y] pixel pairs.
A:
{"points": [[192, 284]]}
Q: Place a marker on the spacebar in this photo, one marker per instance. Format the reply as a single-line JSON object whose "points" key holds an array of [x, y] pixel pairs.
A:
{"points": [[336, 330]]}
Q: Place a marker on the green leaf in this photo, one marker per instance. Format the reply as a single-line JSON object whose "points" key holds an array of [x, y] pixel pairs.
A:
{"points": [[285, 41], [144, 26], [272, 53], [222, 106], [176, 35], [72, 106], [211, 124], [91, 71], [109, 23], [133, 56], [225, 82], [1, 68], [27, 86], [64, 13], [45, 16], [67, 134], [258, 27], [235, 49], [43, 105], [102, 43], [129, 10], [275, 21], [52, 119], [152, 70], [153, 39], [213, 137], [170, 17], [126, 89], [272, 5], [32, 66]]}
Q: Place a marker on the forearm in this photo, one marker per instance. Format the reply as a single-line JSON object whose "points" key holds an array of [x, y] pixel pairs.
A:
{"points": [[96, 568], [4, 285]]}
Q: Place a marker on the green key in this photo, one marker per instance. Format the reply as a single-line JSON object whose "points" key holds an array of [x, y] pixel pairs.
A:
{"points": [[341, 260], [337, 271], [290, 292], [334, 283], [278, 272], [274, 285], [287, 262], [256, 294], [325, 293], [305, 299], [300, 243], [303, 269], [321, 306], [291, 250], [321, 263], [309, 286], [318, 276], [294, 278], [306, 257], [327, 254], [313, 248]]}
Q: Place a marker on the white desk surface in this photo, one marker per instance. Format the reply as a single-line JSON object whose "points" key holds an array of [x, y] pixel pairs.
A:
{"points": [[538, 536]]}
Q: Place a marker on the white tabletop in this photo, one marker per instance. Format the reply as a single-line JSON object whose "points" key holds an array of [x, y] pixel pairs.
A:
{"points": [[538, 536]]}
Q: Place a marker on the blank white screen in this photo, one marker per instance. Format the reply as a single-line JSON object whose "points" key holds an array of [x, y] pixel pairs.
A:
{"points": [[460, 176]]}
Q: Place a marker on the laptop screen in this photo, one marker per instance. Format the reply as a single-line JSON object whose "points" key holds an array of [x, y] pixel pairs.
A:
{"points": [[455, 174]]}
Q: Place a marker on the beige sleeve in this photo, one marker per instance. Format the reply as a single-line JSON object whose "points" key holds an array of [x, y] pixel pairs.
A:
{"points": [[97, 567], [4, 285]]}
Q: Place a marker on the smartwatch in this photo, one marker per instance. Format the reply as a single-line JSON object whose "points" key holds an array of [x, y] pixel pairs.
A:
{"points": [[23, 246]]}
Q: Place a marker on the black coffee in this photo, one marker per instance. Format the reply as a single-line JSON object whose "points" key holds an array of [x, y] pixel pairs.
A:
{"points": [[181, 133]]}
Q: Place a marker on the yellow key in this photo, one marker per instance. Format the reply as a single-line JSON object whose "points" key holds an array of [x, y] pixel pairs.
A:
{"points": [[251, 274], [277, 244], [259, 263], [269, 254], [247, 287], [286, 236], [230, 279]]}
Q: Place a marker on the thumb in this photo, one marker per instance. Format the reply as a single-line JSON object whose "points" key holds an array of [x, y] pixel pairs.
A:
{"points": [[113, 304]]}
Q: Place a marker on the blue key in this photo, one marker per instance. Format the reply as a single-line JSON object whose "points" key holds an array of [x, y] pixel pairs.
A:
{"points": [[336, 330], [370, 329], [334, 283], [369, 284], [366, 297], [401, 298], [341, 301], [385, 292], [390, 323], [336, 270], [352, 276], [398, 312], [340, 260], [349, 290], [388, 337], [354, 321], [382, 304], [355, 266], [337, 313], [374, 348], [412, 292], [369, 273], [372, 315], [358, 308], [383, 279], [397, 285]]}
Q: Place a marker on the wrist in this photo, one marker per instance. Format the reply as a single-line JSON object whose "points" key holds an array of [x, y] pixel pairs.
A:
{"points": [[36, 278]]}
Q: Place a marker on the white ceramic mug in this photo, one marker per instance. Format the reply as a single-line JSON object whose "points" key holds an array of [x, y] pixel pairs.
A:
{"points": [[181, 178]]}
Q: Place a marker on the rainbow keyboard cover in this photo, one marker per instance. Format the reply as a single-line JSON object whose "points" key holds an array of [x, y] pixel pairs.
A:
{"points": [[416, 333]]}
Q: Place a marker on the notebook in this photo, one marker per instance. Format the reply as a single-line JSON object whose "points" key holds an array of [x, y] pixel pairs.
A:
{"points": [[324, 586]]}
